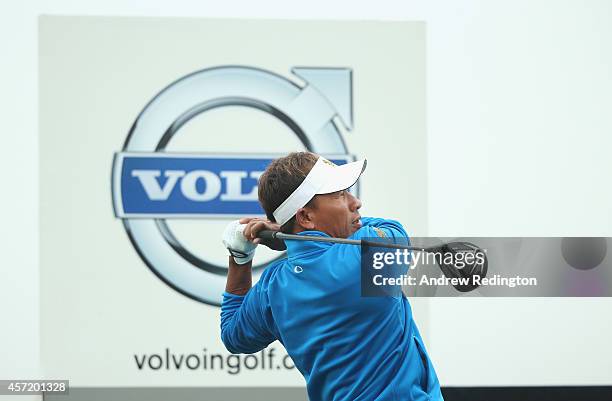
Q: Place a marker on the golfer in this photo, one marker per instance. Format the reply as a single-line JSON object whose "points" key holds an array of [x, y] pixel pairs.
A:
{"points": [[346, 346]]}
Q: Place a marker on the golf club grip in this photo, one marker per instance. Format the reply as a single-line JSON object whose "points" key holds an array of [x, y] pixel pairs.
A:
{"points": [[267, 234]]}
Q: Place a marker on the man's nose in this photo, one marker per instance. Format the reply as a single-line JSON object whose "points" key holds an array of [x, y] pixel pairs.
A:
{"points": [[355, 203]]}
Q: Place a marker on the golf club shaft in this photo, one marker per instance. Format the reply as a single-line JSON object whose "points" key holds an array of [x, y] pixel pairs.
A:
{"points": [[268, 234], [449, 271]]}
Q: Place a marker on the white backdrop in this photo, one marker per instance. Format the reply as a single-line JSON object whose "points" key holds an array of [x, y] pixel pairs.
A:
{"points": [[518, 113]]}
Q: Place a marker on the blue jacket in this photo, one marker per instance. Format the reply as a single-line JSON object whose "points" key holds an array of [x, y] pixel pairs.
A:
{"points": [[346, 346]]}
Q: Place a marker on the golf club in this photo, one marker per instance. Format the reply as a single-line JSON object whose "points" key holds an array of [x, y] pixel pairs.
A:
{"points": [[449, 270]]}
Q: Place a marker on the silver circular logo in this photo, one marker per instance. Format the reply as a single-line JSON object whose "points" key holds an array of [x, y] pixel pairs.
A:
{"points": [[150, 185]]}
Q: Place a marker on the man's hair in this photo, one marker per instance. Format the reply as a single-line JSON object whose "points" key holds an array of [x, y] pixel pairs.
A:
{"points": [[281, 178]]}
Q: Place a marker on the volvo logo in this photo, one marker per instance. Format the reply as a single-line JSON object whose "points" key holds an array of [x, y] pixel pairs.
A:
{"points": [[151, 185]]}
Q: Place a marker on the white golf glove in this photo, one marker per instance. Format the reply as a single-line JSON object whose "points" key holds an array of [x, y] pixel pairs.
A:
{"points": [[239, 247]]}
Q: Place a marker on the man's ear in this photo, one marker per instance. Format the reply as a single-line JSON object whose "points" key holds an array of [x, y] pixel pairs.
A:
{"points": [[303, 218]]}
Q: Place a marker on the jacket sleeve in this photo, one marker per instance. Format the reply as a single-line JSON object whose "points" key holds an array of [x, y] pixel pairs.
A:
{"points": [[381, 231], [245, 328], [378, 230], [373, 227]]}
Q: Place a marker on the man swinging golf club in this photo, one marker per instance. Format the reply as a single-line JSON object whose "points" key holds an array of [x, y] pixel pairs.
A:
{"points": [[346, 346]]}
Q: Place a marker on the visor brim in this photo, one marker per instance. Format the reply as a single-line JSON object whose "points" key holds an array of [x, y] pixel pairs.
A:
{"points": [[343, 177]]}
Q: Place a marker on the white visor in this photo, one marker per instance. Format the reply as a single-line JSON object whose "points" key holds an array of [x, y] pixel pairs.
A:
{"points": [[325, 177]]}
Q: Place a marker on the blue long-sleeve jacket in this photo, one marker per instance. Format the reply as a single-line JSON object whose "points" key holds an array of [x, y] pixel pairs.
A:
{"points": [[346, 346]]}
